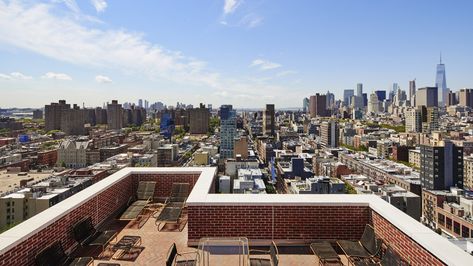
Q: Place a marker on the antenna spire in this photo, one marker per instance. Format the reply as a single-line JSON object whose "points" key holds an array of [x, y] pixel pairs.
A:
{"points": [[440, 57]]}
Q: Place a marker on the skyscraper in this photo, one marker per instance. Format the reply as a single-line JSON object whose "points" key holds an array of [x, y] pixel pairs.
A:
{"points": [[318, 105], [365, 99], [268, 120], [100, 116], [199, 120], [427, 97], [72, 121], [452, 98], [373, 104], [359, 89], [441, 84], [381, 95], [358, 102], [305, 105], [347, 94], [466, 97], [329, 134], [227, 131], [412, 92], [441, 167], [392, 93], [330, 97], [114, 115], [53, 114]]}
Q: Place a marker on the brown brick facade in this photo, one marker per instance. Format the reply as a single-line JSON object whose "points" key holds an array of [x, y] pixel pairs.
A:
{"points": [[401, 243], [48, 158], [277, 222]]}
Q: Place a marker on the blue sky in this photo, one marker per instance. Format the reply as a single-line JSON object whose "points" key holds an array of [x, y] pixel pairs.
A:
{"points": [[246, 53]]}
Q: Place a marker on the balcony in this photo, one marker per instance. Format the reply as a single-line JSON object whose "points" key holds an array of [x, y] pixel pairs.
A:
{"points": [[292, 221]]}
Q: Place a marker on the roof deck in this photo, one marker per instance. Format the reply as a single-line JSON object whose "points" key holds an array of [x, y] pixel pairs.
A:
{"points": [[155, 245], [292, 221]]}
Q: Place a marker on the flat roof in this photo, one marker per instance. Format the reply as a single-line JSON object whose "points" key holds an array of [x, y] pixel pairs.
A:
{"points": [[434, 243], [8, 180]]}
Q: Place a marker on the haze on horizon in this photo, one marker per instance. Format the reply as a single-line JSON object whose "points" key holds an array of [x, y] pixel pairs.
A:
{"points": [[245, 53]]}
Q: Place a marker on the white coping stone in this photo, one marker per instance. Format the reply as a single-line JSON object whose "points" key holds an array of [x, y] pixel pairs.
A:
{"points": [[431, 241]]}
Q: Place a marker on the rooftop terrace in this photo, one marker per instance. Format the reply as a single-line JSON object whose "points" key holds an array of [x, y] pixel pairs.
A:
{"points": [[292, 221]]}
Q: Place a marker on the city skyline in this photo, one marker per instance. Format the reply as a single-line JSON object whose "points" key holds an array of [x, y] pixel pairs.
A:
{"points": [[232, 52]]}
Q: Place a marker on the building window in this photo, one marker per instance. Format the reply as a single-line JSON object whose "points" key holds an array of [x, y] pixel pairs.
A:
{"points": [[449, 223], [441, 219], [465, 231], [456, 228]]}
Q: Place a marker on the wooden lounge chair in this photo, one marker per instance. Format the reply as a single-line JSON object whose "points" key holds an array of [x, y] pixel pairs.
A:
{"points": [[273, 259], [173, 258], [368, 246], [54, 255], [85, 233], [144, 195]]}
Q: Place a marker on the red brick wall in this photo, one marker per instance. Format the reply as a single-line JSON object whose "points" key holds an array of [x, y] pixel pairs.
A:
{"points": [[23, 164], [47, 157], [289, 222], [401, 243], [164, 182], [99, 208]]}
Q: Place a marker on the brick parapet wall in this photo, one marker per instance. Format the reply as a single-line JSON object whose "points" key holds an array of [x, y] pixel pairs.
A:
{"points": [[281, 223], [100, 207], [409, 249], [164, 182]]}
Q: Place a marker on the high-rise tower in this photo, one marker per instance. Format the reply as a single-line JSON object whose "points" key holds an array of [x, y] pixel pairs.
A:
{"points": [[441, 84], [228, 131], [412, 92]]}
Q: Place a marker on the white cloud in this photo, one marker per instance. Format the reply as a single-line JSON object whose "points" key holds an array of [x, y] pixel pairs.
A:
{"points": [[103, 79], [251, 21], [37, 28], [71, 4], [15, 76], [58, 76], [264, 64], [5, 76], [285, 73], [20, 76], [100, 5], [248, 20], [230, 6]]}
